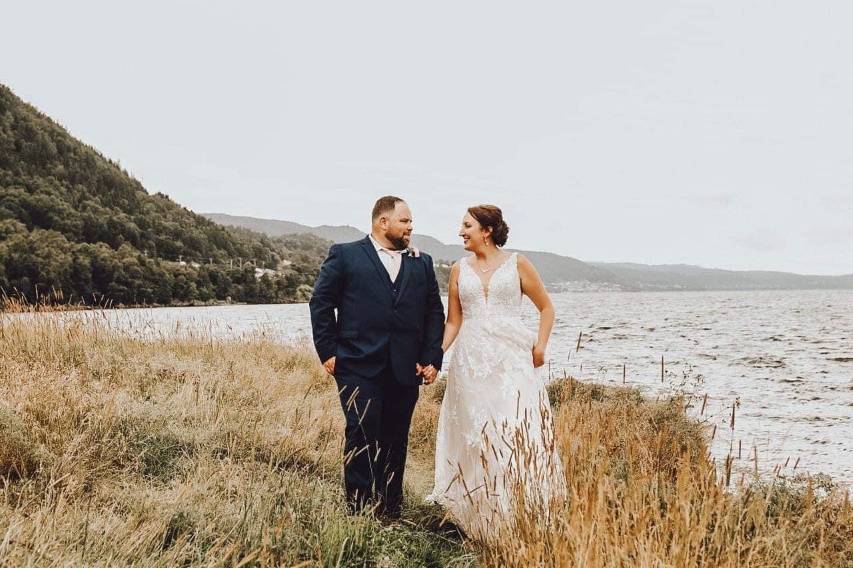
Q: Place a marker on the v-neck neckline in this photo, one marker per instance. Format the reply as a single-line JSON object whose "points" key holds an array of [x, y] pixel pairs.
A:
{"points": [[487, 287]]}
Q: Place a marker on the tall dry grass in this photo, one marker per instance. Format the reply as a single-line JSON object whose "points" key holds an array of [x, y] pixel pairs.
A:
{"points": [[643, 491], [186, 451], [196, 451]]}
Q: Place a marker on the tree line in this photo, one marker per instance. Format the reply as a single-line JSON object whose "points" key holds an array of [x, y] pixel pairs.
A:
{"points": [[43, 264]]}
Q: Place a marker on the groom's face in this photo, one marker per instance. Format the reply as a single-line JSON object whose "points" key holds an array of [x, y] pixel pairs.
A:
{"points": [[398, 226]]}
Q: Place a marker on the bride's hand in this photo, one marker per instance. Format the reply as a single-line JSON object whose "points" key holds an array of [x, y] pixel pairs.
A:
{"points": [[538, 356]]}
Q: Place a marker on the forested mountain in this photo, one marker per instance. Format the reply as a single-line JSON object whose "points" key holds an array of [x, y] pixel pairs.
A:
{"points": [[75, 223]]}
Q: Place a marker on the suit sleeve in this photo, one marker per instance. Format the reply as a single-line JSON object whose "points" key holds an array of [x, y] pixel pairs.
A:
{"points": [[431, 353], [326, 297]]}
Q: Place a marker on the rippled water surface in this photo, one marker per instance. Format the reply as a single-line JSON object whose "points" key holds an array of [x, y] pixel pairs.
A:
{"points": [[787, 356]]}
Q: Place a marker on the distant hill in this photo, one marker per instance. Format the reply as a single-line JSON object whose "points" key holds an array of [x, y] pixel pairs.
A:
{"points": [[562, 272], [274, 227], [74, 223], [553, 268], [688, 277]]}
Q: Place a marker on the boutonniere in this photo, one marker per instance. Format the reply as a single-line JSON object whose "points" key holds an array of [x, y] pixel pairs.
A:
{"points": [[413, 252]]}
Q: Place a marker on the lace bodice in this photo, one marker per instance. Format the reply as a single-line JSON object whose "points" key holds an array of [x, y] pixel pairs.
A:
{"points": [[502, 298]]}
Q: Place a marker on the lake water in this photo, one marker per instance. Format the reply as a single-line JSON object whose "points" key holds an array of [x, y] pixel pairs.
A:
{"points": [[786, 356]]}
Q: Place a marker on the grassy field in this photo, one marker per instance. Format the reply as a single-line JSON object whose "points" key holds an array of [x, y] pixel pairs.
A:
{"points": [[192, 451]]}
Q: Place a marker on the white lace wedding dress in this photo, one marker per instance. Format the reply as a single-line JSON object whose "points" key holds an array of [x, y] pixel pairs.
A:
{"points": [[495, 441]]}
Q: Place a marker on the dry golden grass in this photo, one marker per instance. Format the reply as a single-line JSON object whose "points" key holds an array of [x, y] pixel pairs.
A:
{"points": [[644, 492], [183, 451], [197, 451]]}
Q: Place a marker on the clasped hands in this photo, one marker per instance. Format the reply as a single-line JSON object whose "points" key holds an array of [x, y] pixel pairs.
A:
{"points": [[429, 373]]}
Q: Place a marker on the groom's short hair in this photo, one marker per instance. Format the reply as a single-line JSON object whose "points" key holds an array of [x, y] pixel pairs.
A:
{"points": [[385, 205]]}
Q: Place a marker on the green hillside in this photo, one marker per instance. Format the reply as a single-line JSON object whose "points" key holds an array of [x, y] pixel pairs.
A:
{"points": [[75, 224]]}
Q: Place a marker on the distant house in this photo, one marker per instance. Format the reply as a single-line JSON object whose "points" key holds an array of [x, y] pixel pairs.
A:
{"points": [[259, 272]]}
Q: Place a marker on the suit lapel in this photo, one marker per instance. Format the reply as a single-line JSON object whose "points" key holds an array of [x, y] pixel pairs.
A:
{"points": [[370, 251], [406, 267]]}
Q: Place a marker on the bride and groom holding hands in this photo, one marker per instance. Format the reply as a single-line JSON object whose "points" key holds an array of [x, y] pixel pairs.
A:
{"points": [[379, 328]]}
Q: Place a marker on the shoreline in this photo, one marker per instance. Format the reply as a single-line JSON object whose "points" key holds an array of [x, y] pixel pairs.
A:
{"points": [[11, 306]]}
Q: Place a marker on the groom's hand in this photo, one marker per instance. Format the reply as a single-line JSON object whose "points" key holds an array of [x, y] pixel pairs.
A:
{"points": [[429, 373], [330, 366]]}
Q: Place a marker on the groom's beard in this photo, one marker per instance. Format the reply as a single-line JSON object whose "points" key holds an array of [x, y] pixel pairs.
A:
{"points": [[400, 243]]}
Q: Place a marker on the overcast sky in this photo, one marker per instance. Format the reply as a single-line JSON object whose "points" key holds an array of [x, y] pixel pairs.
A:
{"points": [[715, 133]]}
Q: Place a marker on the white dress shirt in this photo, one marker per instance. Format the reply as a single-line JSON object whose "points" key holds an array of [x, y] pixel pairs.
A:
{"points": [[391, 259]]}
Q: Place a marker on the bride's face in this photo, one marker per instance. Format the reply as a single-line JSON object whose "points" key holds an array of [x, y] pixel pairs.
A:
{"points": [[472, 233]]}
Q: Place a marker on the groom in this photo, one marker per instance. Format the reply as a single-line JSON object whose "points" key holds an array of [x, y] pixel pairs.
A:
{"points": [[383, 343]]}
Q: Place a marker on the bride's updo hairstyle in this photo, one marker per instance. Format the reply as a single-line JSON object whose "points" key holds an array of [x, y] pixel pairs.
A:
{"points": [[491, 217]]}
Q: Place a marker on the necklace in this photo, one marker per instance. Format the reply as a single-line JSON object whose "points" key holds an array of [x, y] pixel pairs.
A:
{"points": [[488, 268]]}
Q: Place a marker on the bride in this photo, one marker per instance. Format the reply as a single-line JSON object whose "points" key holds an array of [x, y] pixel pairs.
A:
{"points": [[495, 443]]}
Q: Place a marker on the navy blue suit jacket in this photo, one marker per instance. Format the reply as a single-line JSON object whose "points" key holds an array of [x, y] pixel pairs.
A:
{"points": [[372, 329]]}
